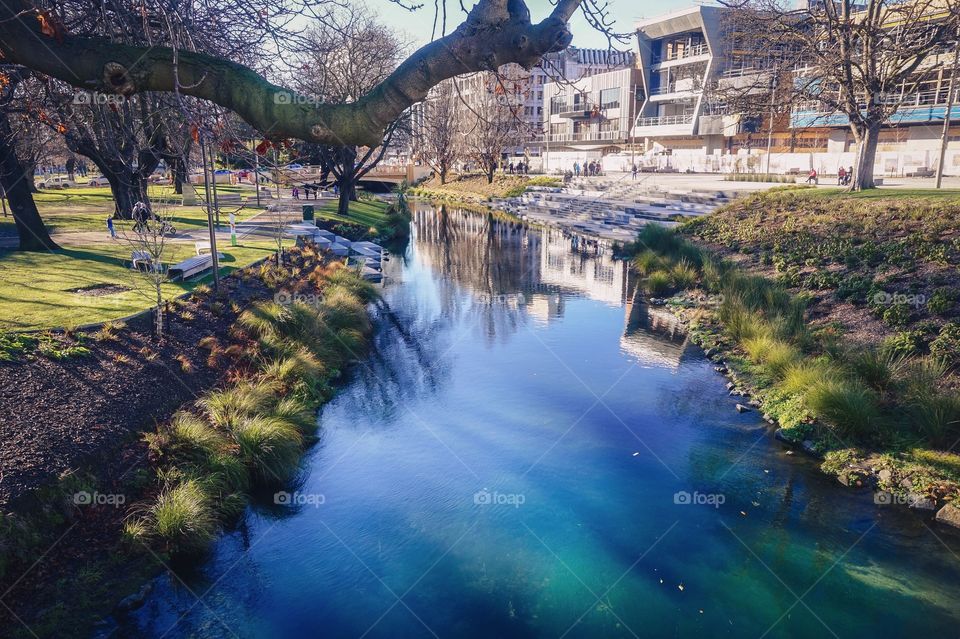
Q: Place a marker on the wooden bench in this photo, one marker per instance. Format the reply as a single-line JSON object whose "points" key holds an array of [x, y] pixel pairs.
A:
{"points": [[190, 267]]}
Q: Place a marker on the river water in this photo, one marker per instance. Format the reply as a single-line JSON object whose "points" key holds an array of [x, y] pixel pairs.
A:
{"points": [[530, 452]]}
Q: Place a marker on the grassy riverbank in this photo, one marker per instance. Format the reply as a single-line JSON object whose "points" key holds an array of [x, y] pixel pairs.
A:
{"points": [[837, 316], [474, 188], [165, 497]]}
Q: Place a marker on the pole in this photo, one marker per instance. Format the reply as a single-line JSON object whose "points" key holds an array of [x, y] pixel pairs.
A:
{"points": [[213, 232], [770, 128], [945, 136], [256, 174], [213, 179]]}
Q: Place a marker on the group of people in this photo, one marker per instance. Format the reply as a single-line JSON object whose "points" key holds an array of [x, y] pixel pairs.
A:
{"points": [[72, 166], [520, 168], [589, 169], [843, 176], [307, 189]]}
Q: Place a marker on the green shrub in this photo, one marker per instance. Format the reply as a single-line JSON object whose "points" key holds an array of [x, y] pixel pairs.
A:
{"points": [[225, 408], [658, 283], [942, 301], [946, 346], [904, 343]]}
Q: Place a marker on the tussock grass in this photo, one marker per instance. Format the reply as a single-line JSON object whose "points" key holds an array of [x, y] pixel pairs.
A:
{"points": [[848, 406], [658, 283], [181, 518]]}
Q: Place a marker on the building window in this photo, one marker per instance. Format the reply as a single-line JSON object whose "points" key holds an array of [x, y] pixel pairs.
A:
{"points": [[610, 98]]}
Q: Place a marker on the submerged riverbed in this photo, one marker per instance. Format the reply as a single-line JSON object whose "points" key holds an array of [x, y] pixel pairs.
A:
{"points": [[530, 452]]}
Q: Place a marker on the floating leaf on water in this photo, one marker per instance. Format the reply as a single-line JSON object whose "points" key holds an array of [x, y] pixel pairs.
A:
{"points": [[680, 587]]}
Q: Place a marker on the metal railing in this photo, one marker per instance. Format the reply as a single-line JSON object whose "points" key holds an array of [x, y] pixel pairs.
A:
{"points": [[689, 52], [666, 120], [590, 136]]}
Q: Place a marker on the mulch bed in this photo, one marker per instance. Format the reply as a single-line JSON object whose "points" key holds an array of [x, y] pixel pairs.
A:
{"points": [[60, 415]]}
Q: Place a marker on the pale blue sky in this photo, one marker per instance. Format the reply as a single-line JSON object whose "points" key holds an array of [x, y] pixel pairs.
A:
{"points": [[417, 24]]}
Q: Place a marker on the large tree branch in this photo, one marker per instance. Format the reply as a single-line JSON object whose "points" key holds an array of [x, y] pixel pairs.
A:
{"points": [[496, 32]]}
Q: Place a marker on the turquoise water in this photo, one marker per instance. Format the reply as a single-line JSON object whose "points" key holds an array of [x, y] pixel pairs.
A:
{"points": [[509, 461]]}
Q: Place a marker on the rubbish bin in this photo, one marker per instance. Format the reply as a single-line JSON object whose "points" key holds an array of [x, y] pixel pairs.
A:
{"points": [[308, 212]]}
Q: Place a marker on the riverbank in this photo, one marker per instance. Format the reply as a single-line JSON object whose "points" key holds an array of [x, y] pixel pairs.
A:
{"points": [[475, 188], [92, 508], [842, 338]]}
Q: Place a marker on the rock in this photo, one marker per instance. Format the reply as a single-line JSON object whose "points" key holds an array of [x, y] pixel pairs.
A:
{"points": [[921, 502], [885, 475], [753, 403], [782, 436], [809, 446], [134, 601], [949, 515], [742, 409], [789, 452], [710, 351]]}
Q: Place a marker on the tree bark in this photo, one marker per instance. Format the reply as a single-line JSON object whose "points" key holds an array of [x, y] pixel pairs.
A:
{"points": [[30, 228], [866, 157], [495, 32]]}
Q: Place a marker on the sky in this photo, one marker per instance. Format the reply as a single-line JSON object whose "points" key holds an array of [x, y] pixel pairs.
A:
{"points": [[417, 24]]}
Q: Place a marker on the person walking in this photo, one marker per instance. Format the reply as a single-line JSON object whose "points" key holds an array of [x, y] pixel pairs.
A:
{"points": [[634, 171], [296, 193], [576, 169], [110, 226], [849, 175], [812, 177], [841, 176]]}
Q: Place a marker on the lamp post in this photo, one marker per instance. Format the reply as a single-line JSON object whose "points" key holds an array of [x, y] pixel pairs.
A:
{"points": [[210, 227], [945, 136]]}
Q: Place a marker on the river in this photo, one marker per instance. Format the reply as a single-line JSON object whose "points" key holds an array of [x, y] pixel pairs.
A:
{"points": [[530, 452]]}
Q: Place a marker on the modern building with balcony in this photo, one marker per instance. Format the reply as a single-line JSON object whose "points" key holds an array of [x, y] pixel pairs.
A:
{"points": [[590, 118]]}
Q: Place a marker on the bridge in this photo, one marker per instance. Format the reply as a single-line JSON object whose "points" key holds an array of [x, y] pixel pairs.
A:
{"points": [[384, 176]]}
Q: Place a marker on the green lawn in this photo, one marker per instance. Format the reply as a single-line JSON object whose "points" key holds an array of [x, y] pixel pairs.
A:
{"points": [[367, 213], [36, 287], [881, 193], [87, 209]]}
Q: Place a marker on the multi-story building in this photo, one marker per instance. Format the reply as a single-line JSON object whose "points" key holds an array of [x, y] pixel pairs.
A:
{"points": [[524, 90], [590, 118], [689, 58]]}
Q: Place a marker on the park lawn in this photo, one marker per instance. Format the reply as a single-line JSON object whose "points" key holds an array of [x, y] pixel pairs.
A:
{"points": [[87, 209], [365, 212], [36, 288], [944, 195]]}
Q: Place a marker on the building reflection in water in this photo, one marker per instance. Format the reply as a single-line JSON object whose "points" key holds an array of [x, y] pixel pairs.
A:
{"points": [[518, 273]]}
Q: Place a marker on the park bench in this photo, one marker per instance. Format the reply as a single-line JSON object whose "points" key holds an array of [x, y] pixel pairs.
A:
{"points": [[229, 198], [140, 260], [202, 247], [190, 267]]}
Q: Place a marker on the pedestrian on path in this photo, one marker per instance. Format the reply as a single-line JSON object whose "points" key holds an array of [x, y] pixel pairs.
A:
{"points": [[110, 226]]}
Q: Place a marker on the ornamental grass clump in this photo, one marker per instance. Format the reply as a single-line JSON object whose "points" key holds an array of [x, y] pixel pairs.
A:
{"points": [[181, 518]]}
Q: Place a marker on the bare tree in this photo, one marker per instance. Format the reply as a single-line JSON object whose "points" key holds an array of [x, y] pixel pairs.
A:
{"points": [[491, 123], [148, 243], [439, 133], [860, 59]]}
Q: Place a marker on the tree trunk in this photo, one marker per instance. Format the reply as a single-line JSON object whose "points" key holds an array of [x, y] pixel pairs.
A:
{"points": [[443, 174], [128, 188], [865, 159], [30, 229], [179, 167], [490, 171]]}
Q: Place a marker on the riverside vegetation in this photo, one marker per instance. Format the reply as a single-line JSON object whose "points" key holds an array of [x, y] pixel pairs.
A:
{"points": [[240, 440], [878, 401]]}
